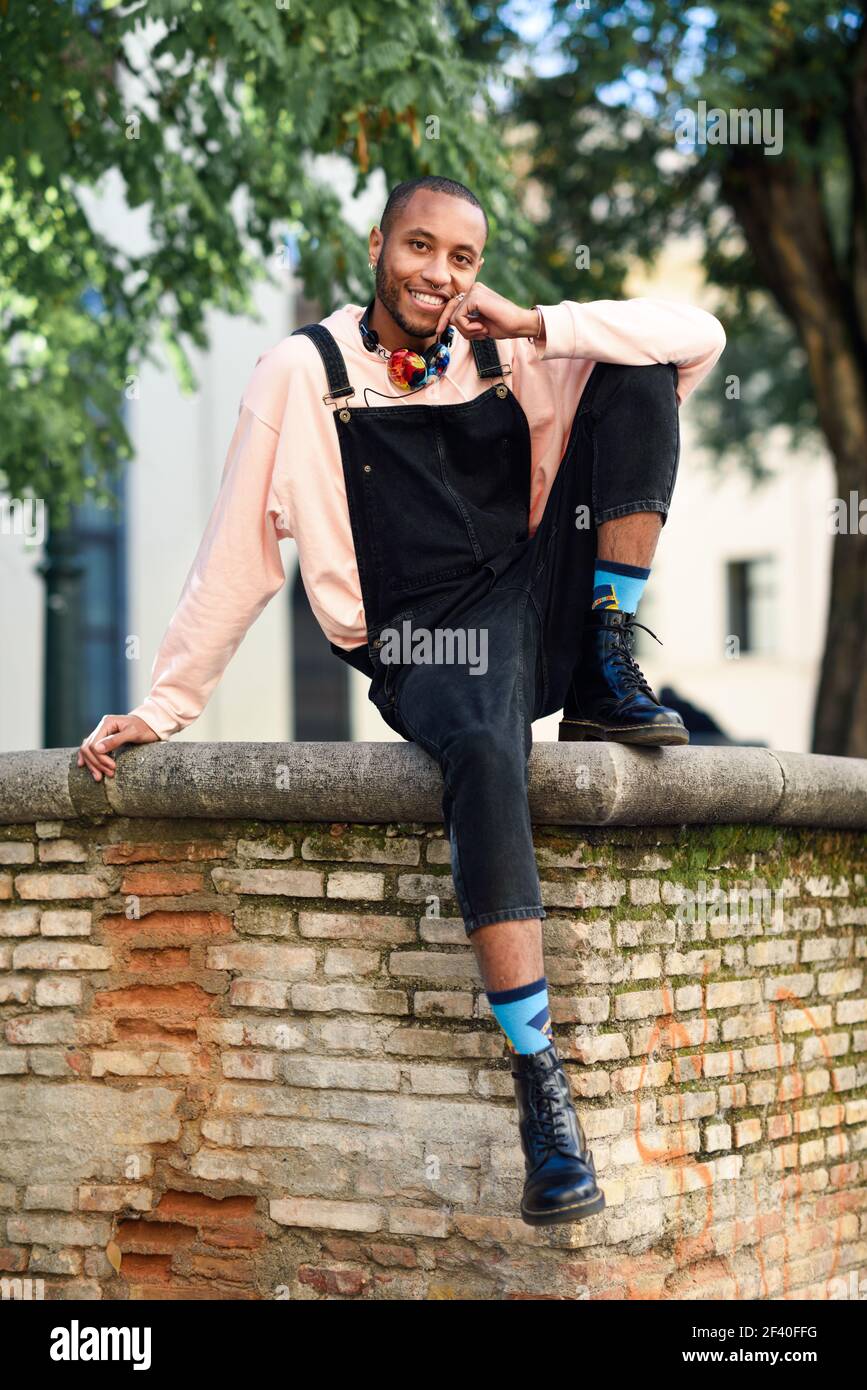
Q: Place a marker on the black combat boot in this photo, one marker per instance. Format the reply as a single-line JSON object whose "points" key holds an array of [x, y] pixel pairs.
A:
{"points": [[608, 696], [561, 1176]]}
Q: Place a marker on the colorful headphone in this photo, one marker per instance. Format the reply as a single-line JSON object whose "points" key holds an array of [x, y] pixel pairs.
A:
{"points": [[409, 370]]}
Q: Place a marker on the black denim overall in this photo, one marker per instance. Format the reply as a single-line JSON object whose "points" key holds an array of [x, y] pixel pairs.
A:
{"points": [[438, 499]]}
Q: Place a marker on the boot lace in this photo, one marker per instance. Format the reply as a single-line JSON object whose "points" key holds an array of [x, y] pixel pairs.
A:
{"points": [[548, 1112], [631, 673]]}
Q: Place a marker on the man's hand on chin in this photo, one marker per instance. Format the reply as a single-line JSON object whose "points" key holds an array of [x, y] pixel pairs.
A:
{"points": [[482, 313]]}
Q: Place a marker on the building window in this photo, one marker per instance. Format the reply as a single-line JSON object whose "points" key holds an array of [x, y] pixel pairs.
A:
{"points": [[320, 679], [752, 601]]}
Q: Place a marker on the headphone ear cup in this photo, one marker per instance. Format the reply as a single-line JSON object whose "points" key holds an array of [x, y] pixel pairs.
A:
{"points": [[430, 354]]}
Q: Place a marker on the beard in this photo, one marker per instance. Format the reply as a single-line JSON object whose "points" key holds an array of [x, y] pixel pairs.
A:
{"points": [[388, 293]]}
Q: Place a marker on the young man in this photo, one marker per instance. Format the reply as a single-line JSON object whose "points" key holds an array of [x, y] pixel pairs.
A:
{"points": [[460, 474]]}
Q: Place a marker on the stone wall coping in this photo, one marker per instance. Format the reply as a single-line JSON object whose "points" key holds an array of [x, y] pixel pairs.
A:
{"points": [[570, 784]]}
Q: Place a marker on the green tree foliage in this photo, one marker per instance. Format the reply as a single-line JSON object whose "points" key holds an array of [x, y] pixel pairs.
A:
{"points": [[210, 114]]}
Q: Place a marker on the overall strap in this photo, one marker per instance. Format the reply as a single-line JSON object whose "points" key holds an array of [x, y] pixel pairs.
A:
{"points": [[487, 357], [484, 351], [332, 357]]}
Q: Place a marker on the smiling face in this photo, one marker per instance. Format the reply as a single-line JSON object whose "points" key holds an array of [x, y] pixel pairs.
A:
{"points": [[433, 251]]}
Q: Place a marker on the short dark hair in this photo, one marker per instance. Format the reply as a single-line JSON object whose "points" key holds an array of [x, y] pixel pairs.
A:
{"points": [[402, 192]]}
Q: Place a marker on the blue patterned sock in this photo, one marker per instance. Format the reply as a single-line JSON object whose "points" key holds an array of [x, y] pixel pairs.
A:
{"points": [[523, 1015], [618, 586]]}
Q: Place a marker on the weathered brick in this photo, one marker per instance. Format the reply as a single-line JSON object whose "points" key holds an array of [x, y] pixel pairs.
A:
{"points": [[264, 849], [727, 994], [258, 994], [69, 921], [264, 919], [19, 921], [419, 1221], [692, 962], [639, 1003], [443, 931], [840, 981], [264, 962], [362, 848], [17, 852], [346, 961], [157, 882], [256, 1066], [15, 989], [344, 883], [348, 999], [61, 993], [687, 1105], [717, 1137], [105, 1197], [433, 965], [60, 955], [643, 892], [378, 931], [62, 852], [165, 928], [335, 1216], [142, 1062], [607, 1047], [443, 1004], [56, 1230], [332, 1073], [54, 887], [284, 883], [49, 1197], [12, 1063], [165, 851], [418, 887], [439, 1081]]}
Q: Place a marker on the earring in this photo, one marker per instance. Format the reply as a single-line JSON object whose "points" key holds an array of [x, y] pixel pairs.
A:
{"points": [[372, 265]]}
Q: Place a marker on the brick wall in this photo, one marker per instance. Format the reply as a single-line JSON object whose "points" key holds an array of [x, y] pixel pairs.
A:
{"points": [[248, 1060]]}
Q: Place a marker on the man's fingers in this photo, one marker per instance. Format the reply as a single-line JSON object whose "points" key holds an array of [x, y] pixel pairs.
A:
{"points": [[103, 745], [448, 312], [469, 327], [100, 760], [96, 756]]}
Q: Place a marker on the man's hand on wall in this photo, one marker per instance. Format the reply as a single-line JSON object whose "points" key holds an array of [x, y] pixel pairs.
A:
{"points": [[112, 731]]}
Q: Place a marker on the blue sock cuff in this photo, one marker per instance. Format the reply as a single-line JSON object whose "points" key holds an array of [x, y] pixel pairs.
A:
{"points": [[509, 996], [615, 567]]}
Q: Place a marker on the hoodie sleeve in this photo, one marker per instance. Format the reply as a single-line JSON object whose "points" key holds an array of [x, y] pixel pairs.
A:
{"points": [[635, 332], [236, 571]]}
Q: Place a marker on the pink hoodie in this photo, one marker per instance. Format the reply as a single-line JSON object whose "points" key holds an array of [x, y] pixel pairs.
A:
{"points": [[283, 474]]}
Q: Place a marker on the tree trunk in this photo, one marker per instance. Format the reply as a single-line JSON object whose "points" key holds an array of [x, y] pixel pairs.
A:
{"points": [[782, 214], [840, 716]]}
